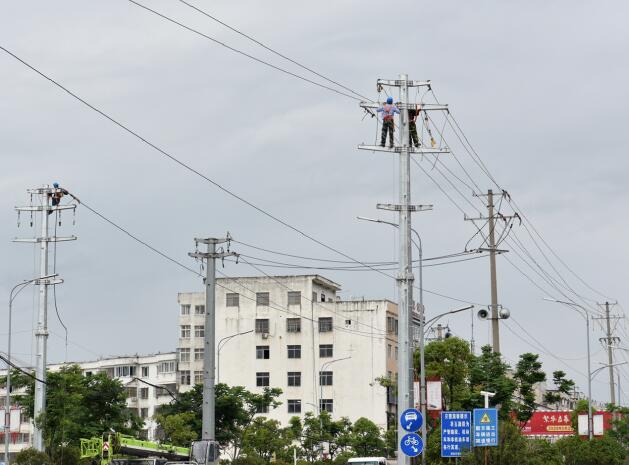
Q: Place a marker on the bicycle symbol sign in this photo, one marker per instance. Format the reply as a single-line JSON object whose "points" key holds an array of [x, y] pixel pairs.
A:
{"points": [[412, 444]]}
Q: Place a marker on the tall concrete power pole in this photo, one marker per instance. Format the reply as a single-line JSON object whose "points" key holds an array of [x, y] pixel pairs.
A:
{"points": [[44, 209], [405, 276], [609, 341], [493, 251], [208, 422]]}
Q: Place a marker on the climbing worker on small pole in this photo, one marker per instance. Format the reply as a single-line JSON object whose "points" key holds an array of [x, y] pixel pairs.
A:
{"points": [[388, 110], [412, 127]]}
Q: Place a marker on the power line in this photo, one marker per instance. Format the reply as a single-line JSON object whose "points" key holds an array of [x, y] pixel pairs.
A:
{"points": [[216, 41], [205, 13], [20, 369]]}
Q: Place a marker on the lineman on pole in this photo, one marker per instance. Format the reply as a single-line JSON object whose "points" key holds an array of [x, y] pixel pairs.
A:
{"points": [[388, 110]]}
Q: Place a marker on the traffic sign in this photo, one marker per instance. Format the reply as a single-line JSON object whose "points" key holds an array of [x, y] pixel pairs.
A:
{"points": [[411, 420], [105, 446], [485, 427], [412, 444], [456, 433]]}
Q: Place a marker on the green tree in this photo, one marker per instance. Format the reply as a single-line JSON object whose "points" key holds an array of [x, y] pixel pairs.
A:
{"points": [[528, 373], [235, 409], [563, 387], [266, 439], [450, 360], [178, 428], [31, 456], [488, 372], [366, 438], [603, 451], [78, 406]]}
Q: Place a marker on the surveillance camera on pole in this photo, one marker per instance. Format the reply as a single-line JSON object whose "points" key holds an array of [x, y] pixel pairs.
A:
{"points": [[504, 313], [483, 314]]}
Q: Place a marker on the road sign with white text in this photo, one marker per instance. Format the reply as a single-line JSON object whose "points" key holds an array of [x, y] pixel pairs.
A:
{"points": [[485, 427], [456, 433]]}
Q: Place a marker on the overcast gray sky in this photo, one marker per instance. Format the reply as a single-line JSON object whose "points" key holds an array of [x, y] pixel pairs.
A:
{"points": [[538, 87]]}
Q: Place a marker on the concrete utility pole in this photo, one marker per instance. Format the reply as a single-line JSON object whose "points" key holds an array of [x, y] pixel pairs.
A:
{"points": [[45, 208], [493, 250], [208, 422], [405, 276], [609, 341]]}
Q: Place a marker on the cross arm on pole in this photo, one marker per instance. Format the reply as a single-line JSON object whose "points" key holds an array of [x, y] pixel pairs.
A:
{"points": [[409, 106], [401, 82], [399, 208]]}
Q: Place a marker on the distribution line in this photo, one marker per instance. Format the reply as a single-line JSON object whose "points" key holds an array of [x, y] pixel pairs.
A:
{"points": [[191, 169], [216, 41], [205, 13]]}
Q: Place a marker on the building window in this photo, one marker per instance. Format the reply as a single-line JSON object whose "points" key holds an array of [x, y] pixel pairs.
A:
{"points": [[293, 325], [294, 297], [314, 297], [262, 379], [198, 354], [389, 347], [124, 371], [185, 309], [262, 352], [198, 377], [199, 331], [145, 372], [232, 300], [326, 350], [262, 408], [294, 406], [144, 393], [392, 325], [294, 378], [262, 299], [322, 297], [144, 413], [325, 324], [132, 392], [348, 322], [326, 404], [396, 352], [325, 378], [184, 378], [184, 355], [166, 367], [294, 351], [262, 325], [199, 309], [185, 331]]}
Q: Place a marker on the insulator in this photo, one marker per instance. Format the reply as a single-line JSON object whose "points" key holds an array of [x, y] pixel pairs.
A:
{"points": [[18, 218]]}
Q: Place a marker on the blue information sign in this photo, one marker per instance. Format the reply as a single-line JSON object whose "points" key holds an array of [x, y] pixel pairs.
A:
{"points": [[456, 433], [411, 420], [485, 427], [411, 444]]}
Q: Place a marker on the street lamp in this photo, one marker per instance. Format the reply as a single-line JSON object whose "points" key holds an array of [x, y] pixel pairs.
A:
{"points": [[587, 329], [326, 365], [598, 370], [422, 372], [220, 345], [427, 326], [15, 291]]}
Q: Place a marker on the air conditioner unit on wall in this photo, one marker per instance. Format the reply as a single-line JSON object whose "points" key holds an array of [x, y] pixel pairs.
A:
{"points": [[265, 335]]}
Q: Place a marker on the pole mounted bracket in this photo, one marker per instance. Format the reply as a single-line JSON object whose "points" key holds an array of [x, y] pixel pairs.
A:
{"points": [[399, 208]]}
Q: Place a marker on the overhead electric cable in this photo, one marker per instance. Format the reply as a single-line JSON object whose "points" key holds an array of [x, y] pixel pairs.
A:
{"points": [[266, 63], [205, 13]]}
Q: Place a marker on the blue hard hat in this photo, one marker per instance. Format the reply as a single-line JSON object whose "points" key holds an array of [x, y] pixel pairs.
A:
{"points": [[390, 100], [55, 185]]}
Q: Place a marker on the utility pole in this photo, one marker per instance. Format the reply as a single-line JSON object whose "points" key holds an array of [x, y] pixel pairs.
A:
{"points": [[609, 341], [493, 250], [44, 208], [208, 422], [405, 276]]}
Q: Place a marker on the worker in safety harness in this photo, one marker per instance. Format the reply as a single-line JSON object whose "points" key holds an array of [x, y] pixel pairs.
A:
{"points": [[56, 196], [412, 127], [388, 110]]}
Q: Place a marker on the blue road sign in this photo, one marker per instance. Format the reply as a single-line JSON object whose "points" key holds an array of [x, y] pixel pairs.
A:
{"points": [[411, 444], [485, 427], [456, 433], [411, 420]]}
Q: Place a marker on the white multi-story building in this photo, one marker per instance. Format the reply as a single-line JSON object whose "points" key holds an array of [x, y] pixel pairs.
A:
{"points": [[148, 379], [292, 332]]}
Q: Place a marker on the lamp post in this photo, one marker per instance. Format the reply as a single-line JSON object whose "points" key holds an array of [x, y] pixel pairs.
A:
{"points": [[220, 345], [587, 330], [15, 291], [326, 365]]}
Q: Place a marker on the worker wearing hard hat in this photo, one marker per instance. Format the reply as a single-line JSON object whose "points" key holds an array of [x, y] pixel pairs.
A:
{"points": [[388, 111]]}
